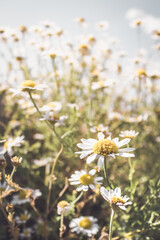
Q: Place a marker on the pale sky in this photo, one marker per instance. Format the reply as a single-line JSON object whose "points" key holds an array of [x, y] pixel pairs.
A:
{"points": [[31, 12]]}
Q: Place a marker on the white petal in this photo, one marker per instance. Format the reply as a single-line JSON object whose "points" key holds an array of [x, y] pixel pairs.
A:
{"points": [[104, 193], [100, 163], [100, 136], [118, 191], [74, 183], [122, 207], [125, 154], [123, 142], [92, 186], [84, 146], [91, 158], [126, 149], [85, 188], [84, 153], [79, 188], [92, 172]]}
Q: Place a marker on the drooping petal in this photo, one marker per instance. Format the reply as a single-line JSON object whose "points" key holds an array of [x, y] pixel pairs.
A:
{"points": [[91, 158], [104, 193], [100, 163]]}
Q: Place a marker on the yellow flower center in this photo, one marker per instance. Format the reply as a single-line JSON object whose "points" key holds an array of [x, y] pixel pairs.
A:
{"points": [[105, 147], [141, 72], [86, 179], [22, 194], [83, 49], [53, 116], [116, 199], [27, 84], [24, 217], [63, 204], [51, 104], [85, 223], [6, 144]]}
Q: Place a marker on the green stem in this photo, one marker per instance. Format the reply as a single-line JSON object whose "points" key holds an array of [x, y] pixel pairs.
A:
{"points": [[131, 171], [46, 121], [11, 176], [105, 172], [61, 226], [110, 225], [77, 199]]}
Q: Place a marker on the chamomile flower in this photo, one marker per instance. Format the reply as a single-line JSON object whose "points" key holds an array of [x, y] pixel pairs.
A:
{"points": [[54, 118], [26, 233], [100, 128], [52, 106], [86, 225], [10, 143], [102, 148], [23, 218], [85, 180], [63, 207], [27, 86], [128, 134], [114, 198]]}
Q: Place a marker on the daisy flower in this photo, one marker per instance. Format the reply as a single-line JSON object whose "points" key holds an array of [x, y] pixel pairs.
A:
{"points": [[23, 218], [63, 207], [54, 118], [85, 180], [27, 86], [103, 147], [52, 106], [86, 225], [10, 143], [128, 134], [114, 198], [100, 128], [24, 195]]}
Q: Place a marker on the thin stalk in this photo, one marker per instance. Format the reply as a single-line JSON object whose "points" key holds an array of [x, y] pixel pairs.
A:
{"points": [[47, 122], [131, 171], [77, 199], [110, 225], [105, 172], [11, 176], [61, 226]]}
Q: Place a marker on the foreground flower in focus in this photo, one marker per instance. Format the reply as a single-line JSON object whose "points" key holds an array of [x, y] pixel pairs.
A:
{"points": [[102, 148], [114, 198], [85, 180], [86, 225]]}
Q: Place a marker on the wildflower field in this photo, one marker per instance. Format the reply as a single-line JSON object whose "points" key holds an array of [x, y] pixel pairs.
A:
{"points": [[79, 133]]}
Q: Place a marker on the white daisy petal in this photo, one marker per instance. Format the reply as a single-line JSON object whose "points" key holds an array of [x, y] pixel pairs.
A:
{"points": [[123, 142], [126, 154], [91, 158], [126, 149], [92, 186], [92, 172], [100, 136], [79, 188], [85, 188], [100, 163]]}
